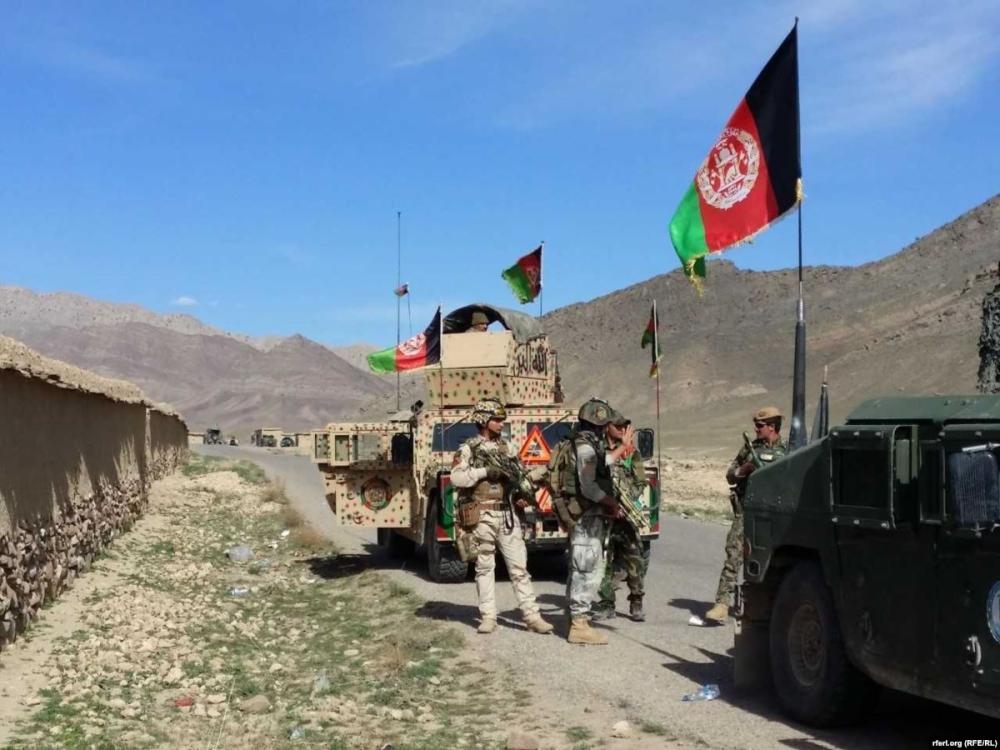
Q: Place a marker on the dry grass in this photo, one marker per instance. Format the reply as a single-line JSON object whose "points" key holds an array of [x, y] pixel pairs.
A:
{"points": [[274, 492], [308, 538], [291, 518]]}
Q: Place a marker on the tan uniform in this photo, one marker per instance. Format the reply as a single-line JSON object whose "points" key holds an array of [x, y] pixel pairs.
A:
{"points": [[497, 529]]}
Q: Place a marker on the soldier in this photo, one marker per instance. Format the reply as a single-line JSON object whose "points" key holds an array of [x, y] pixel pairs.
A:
{"points": [[479, 321], [768, 445], [593, 495], [482, 495], [624, 558]]}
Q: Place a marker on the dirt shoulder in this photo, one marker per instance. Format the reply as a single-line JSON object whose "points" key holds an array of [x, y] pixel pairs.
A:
{"points": [[168, 642]]}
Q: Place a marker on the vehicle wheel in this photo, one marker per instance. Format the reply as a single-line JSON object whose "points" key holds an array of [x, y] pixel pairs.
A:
{"points": [[443, 563], [813, 678], [395, 544]]}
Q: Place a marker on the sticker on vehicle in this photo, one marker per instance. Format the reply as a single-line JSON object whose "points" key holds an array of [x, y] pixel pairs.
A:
{"points": [[993, 611]]}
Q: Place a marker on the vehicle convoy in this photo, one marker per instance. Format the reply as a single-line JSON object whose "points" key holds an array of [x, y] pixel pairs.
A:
{"points": [[872, 557], [394, 474]]}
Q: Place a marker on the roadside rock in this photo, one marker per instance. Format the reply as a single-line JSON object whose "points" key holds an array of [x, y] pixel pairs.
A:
{"points": [[259, 704], [621, 730]]}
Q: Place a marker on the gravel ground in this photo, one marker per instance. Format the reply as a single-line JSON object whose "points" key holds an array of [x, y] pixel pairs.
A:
{"points": [[647, 667]]}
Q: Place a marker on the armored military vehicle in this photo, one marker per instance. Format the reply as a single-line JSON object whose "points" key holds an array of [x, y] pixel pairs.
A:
{"points": [[213, 436], [872, 557], [393, 474]]}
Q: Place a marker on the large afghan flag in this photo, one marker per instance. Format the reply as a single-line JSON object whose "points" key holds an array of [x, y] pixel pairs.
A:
{"points": [[525, 276], [753, 174], [421, 350]]}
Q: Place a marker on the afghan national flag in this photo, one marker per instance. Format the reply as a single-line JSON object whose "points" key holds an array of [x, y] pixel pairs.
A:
{"points": [[752, 175], [525, 276], [421, 350], [651, 338], [402, 290]]}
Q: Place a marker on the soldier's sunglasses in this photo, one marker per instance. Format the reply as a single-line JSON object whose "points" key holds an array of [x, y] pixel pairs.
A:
{"points": [[761, 425]]}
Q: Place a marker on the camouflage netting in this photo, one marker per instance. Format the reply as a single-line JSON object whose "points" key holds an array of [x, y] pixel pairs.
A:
{"points": [[989, 343]]}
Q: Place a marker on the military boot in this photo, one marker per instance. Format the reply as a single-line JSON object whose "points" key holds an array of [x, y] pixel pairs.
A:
{"points": [[581, 632], [635, 610], [718, 613], [603, 611], [536, 624], [487, 626]]}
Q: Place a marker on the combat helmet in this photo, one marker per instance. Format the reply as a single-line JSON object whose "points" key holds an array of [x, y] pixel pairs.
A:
{"points": [[487, 409], [597, 411]]}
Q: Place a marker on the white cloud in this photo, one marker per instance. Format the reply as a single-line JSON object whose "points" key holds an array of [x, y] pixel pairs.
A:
{"points": [[433, 30], [902, 65], [184, 301]]}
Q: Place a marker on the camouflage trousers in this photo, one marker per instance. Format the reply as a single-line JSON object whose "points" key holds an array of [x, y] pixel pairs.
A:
{"points": [[734, 558], [491, 535], [586, 562], [624, 562]]}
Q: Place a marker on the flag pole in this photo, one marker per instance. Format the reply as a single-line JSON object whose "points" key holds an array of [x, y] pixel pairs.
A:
{"points": [[541, 286], [399, 281], [797, 433], [656, 348], [441, 364]]}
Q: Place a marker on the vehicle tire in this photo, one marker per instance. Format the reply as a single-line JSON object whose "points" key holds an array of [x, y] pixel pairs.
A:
{"points": [[813, 678], [396, 545], [443, 563]]}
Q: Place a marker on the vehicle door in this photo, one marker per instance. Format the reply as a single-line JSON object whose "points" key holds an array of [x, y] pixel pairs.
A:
{"points": [[967, 570], [884, 550]]}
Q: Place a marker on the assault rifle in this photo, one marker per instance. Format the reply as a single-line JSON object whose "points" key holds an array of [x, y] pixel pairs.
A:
{"points": [[521, 487], [623, 491], [753, 451]]}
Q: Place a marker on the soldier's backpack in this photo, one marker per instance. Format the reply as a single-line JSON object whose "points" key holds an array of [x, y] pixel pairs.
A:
{"points": [[563, 483]]}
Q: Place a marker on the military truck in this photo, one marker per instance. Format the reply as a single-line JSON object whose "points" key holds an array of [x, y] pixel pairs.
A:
{"points": [[872, 557], [393, 474], [213, 436]]}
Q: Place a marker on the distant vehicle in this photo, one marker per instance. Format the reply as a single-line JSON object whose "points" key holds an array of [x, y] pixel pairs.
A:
{"points": [[233, 441], [213, 436], [872, 557], [267, 441], [395, 474], [287, 442]]}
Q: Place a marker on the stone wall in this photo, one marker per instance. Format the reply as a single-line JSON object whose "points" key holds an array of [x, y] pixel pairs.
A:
{"points": [[77, 456]]}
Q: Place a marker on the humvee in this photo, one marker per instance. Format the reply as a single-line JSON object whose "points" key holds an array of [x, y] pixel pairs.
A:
{"points": [[393, 474], [872, 557], [213, 436]]}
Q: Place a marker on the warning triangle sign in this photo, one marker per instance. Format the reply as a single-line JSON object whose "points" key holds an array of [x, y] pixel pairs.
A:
{"points": [[535, 450]]}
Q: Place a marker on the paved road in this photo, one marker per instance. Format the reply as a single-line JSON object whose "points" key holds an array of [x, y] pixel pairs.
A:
{"points": [[648, 666]]}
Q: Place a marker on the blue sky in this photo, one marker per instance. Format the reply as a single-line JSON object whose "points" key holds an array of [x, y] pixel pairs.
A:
{"points": [[244, 161]]}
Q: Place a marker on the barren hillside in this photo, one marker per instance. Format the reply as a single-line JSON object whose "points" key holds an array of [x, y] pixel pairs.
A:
{"points": [[297, 384], [905, 324]]}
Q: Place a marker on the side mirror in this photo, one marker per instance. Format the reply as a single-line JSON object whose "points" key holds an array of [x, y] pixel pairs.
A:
{"points": [[644, 442]]}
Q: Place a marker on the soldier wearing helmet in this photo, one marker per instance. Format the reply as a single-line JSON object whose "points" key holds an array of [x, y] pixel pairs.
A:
{"points": [[594, 497], [487, 521], [767, 446]]}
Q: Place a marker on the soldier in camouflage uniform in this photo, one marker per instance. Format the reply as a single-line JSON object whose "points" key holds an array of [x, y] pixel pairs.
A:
{"points": [[624, 557], [593, 494], [768, 446], [483, 487]]}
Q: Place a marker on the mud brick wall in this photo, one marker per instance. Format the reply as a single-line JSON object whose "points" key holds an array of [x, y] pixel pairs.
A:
{"points": [[77, 456]]}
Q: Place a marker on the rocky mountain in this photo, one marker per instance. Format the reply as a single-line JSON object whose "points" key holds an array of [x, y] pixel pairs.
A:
{"points": [[906, 324], [296, 384]]}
